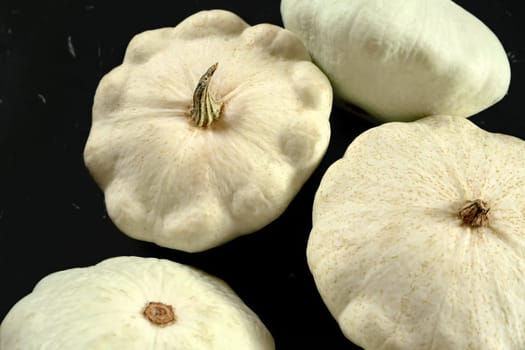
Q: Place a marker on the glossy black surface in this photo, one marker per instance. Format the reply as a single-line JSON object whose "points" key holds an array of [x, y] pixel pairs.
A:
{"points": [[52, 215]]}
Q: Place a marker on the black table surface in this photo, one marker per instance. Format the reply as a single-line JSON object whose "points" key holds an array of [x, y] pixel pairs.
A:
{"points": [[52, 214]]}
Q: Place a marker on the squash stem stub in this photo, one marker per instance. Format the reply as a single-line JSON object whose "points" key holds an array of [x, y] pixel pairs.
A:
{"points": [[475, 213], [159, 314], [205, 109]]}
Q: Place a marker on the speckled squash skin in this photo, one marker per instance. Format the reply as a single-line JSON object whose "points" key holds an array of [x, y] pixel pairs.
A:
{"points": [[395, 255]]}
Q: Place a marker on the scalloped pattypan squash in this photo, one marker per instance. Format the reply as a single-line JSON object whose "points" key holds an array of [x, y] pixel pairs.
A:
{"points": [[418, 237], [133, 303], [207, 130], [402, 60]]}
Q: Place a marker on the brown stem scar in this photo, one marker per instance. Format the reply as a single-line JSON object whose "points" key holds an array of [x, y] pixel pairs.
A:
{"points": [[475, 213], [159, 314]]}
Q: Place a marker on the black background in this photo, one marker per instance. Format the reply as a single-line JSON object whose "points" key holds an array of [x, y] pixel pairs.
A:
{"points": [[52, 215]]}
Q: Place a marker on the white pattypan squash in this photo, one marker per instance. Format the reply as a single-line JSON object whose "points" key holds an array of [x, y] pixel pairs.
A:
{"points": [[402, 60], [133, 303], [207, 130], [418, 237]]}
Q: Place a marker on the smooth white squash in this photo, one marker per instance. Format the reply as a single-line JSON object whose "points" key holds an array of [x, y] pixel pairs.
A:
{"points": [[400, 60], [133, 303]]}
